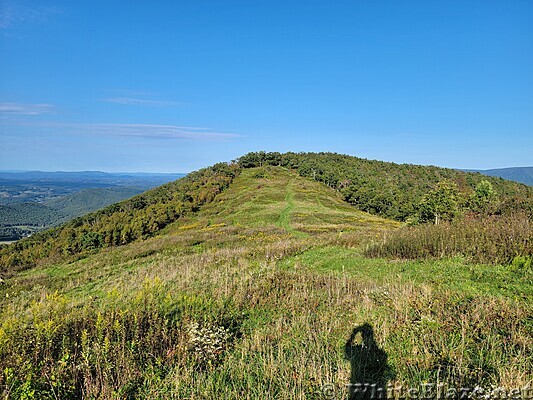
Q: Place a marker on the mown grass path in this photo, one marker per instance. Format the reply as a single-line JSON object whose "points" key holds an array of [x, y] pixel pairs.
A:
{"points": [[285, 214]]}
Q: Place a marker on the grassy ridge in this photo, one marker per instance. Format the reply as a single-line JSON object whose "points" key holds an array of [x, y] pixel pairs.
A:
{"points": [[285, 215], [383, 188], [225, 303]]}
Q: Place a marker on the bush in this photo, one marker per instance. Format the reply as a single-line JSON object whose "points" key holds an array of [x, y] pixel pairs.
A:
{"points": [[522, 264], [502, 239]]}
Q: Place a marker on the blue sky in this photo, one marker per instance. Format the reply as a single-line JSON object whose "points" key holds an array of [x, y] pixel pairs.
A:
{"points": [[172, 86]]}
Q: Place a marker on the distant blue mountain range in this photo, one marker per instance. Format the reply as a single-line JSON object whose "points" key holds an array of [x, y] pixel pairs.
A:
{"points": [[91, 178], [40, 187], [517, 174]]}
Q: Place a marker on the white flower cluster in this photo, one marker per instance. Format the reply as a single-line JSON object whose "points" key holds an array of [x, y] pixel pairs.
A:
{"points": [[207, 343]]}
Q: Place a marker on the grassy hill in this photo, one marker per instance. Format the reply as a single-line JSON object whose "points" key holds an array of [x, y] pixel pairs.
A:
{"points": [[385, 189], [258, 288]]}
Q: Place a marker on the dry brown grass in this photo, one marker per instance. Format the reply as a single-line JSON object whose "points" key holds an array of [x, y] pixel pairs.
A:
{"points": [[489, 240]]}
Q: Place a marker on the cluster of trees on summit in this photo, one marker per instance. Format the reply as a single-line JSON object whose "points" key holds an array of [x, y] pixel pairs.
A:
{"points": [[404, 192]]}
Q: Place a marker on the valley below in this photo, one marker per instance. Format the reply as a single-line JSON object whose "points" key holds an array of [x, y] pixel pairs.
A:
{"points": [[31, 202]]}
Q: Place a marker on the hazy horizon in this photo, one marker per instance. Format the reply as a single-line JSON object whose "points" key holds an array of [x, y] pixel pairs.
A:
{"points": [[186, 172]]}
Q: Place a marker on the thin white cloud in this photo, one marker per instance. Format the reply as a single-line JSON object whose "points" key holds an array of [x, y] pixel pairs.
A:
{"points": [[142, 131], [25, 109], [131, 93], [13, 13], [154, 131], [142, 102]]}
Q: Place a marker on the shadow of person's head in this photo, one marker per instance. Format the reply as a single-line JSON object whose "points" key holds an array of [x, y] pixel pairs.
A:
{"points": [[367, 333], [369, 367]]}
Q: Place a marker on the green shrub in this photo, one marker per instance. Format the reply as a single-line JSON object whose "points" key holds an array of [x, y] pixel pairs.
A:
{"points": [[522, 264], [502, 239]]}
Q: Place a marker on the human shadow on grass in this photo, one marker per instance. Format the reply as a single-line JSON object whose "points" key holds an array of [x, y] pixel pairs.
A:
{"points": [[370, 371]]}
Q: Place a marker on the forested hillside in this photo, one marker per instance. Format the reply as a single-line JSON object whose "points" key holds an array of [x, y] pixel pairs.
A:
{"points": [[122, 222], [88, 200], [19, 220], [23, 219], [32, 214]]}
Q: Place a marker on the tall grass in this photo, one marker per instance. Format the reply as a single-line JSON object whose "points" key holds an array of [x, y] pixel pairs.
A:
{"points": [[55, 351], [278, 336], [489, 240]]}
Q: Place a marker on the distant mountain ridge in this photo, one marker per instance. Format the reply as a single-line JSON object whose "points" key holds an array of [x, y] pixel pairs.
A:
{"points": [[517, 174], [92, 178], [34, 200], [89, 200]]}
